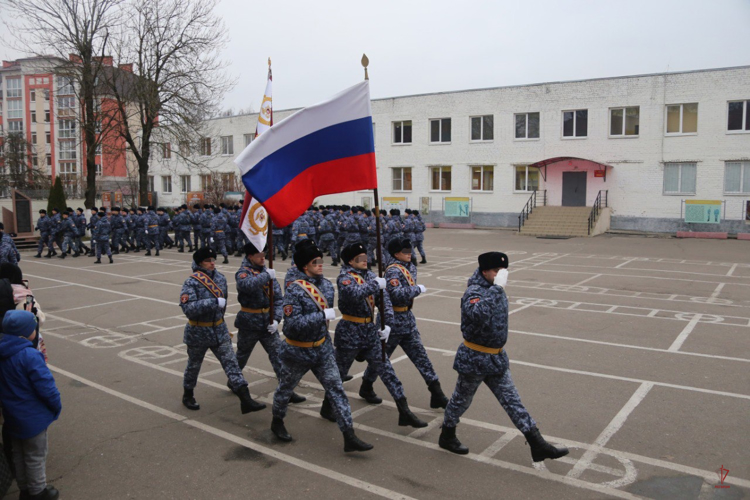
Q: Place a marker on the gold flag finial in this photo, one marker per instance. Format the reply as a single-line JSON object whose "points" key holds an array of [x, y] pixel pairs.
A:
{"points": [[365, 63], [269, 62]]}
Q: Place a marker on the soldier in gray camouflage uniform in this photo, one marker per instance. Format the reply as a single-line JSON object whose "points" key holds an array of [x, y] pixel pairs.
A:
{"points": [[253, 281], [481, 358], [358, 333], [100, 235], [203, 300], [402, 288], [308, 347]]}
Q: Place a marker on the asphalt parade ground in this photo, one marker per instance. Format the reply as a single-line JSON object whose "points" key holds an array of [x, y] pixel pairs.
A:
{"points": [[633, 352]]}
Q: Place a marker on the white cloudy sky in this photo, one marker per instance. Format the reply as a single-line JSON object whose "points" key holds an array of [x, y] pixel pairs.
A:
{"points": [[418, 46]]}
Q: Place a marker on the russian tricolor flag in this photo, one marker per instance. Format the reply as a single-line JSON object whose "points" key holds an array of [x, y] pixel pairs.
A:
{"points": [[323, 149]]}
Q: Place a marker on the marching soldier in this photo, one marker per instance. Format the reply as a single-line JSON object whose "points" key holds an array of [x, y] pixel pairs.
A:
{"points": [[327, 237], [68, 232], [205, 220], [79, 219], [403, 289], [481, 358], [140, 224], [278, 241], [93, 220], [419, 229], [43, 226], [118, 231], [164, 223], [203, 300], [307, 311], [219, 231], [253, 288], [195, 220], [100, 236], [358, 334], [152, 232]]}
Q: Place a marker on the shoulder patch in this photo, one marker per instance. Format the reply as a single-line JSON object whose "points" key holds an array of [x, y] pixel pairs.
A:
{"points": [[243, 276], [288, 309], [395, 282], [475, 300], [346, 282], [184, 298]]}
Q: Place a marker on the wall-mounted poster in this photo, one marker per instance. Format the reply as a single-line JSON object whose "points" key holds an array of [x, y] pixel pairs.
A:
{"points": [[703, 211], [424, 205], [394, 202], [457, 207]]}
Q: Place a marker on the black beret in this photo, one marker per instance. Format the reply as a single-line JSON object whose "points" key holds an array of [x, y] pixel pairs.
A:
{"points": [[305, 253], [203, 254], [206, 206], [183, 206], [351, 251], [101, 213], [79, 209], [398, 244], [415, 212], [115, 209], [94, 209], [196, 205], [408, 211], [217, 210], [493, 260], [70, 209], [42, 211], [250, 249], [150, 207]]}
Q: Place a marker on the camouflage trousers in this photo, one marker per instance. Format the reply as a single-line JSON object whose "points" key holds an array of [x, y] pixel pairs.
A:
{"points": [[246, 341], [413, 348], [374, 357], [153, 239], [68, 243], [220, 244], [321, 361], [502, 387], [224, 353], [44, 239], [328, 244], [102, 246], [418, 245]]}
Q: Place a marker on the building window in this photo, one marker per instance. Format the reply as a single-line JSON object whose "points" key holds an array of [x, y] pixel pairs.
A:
{"points": [[12, 87], [527, 179], [32, 95], [227, 145], [64, 85], [679, 178], [227, 181], [33, 138], [185, 183], [624, 121], [738, 119], [482, 128], [48, 138], [205, 146], [737, 177], [682, 118], [46, 116], [67, 150], [151, 183], [68, 169], [15, 109], [66, 105], [441, 178], [98, 149], [33, 117], [184, 149], [482, 178], [402, 132], [248, 139], [34, 161], [440, 130], [49, 159], [576, 123], [98, 169], [205, 182], [15, 125], [402, 179], [166, 150], [166, 183], [527, 125]]}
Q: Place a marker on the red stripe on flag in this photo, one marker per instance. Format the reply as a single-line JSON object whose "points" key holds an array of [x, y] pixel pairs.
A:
{"points": [[245, 206], [337, 176]]}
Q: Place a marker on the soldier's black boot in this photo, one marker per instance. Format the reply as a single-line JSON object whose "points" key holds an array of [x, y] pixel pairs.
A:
{"points": [[406, 417], [346, 378], [248, 404], [296, 398], [98, 261], [279, 430], [449, 441], [541, 449], [48, 493], [423, 261], [62, 255], [326, 411], [438, 399], [38, 256], [226, 260], [148, 253], [157, 252], [367, 393], [181, 250], [76, 253], [49, 255], [353, 443], [189, 400], [110, 260]]}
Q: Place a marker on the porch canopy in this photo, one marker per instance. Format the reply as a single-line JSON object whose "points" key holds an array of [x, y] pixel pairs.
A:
{"points": [[542, 165]]}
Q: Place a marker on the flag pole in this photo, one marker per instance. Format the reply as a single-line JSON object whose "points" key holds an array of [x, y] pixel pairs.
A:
{"points": [[269, 225], [379, 246]]}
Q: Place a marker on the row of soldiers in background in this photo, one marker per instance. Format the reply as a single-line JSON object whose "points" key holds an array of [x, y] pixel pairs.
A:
{"points": [[139, 229], [334, 227]]}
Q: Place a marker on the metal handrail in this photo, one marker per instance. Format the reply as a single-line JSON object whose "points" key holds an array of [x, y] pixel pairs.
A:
{"points": [[529, 207], [594, 215]]}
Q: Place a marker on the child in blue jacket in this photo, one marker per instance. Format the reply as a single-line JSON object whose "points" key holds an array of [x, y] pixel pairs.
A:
{"points": [[30, 402]]}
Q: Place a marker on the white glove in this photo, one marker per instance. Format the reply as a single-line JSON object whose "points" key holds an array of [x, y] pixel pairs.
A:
{"points": [[222, 302], [380, 282], [501, 279], [271, 273], [211, 240], [385, 333], [273, 327], [422, 289], [330, 314], [146, 231]]}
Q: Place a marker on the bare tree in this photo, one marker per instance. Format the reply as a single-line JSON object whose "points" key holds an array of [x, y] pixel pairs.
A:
{"points": [[176, 81], [17, 165], [77, 28]]}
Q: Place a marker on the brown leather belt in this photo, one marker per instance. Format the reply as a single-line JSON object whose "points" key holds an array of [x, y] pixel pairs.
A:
{"points": [[481, 348], [296, 343], [401, 309], [255, 311], [205, 323], [356, 319]]}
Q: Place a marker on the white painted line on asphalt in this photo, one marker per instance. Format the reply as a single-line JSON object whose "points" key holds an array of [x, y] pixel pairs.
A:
{"points": [[498, 445], [173, 303], [363, 410], [684, 333], [731, 270], [716, 292], [432, 424], [96, 305], [587, 279], [640, 276], [609, 431], [619, 266], [642, 269], [50, 287], [316, 469]]}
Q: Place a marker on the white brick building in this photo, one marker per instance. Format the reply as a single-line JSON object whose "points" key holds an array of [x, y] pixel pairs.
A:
{"points": [[651, 141]]}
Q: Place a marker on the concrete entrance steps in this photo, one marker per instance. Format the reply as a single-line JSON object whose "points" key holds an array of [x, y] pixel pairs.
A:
{"points": [[557, 221]]}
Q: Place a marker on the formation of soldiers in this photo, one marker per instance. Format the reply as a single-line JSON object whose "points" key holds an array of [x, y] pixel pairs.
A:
{"points": [[143, 228], [305, 305]]}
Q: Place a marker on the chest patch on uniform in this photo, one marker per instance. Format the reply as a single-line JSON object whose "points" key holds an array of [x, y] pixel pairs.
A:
{"points": [[184, 298], [288, 309], [243, 276], [395, 282], [346, 282], [475, 300]]}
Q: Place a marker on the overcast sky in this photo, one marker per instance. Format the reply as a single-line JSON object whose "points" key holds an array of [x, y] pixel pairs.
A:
{"points": [[419, 46]]}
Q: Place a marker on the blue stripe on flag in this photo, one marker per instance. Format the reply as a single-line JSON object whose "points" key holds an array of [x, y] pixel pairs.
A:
{"points": [[276, 170]]}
